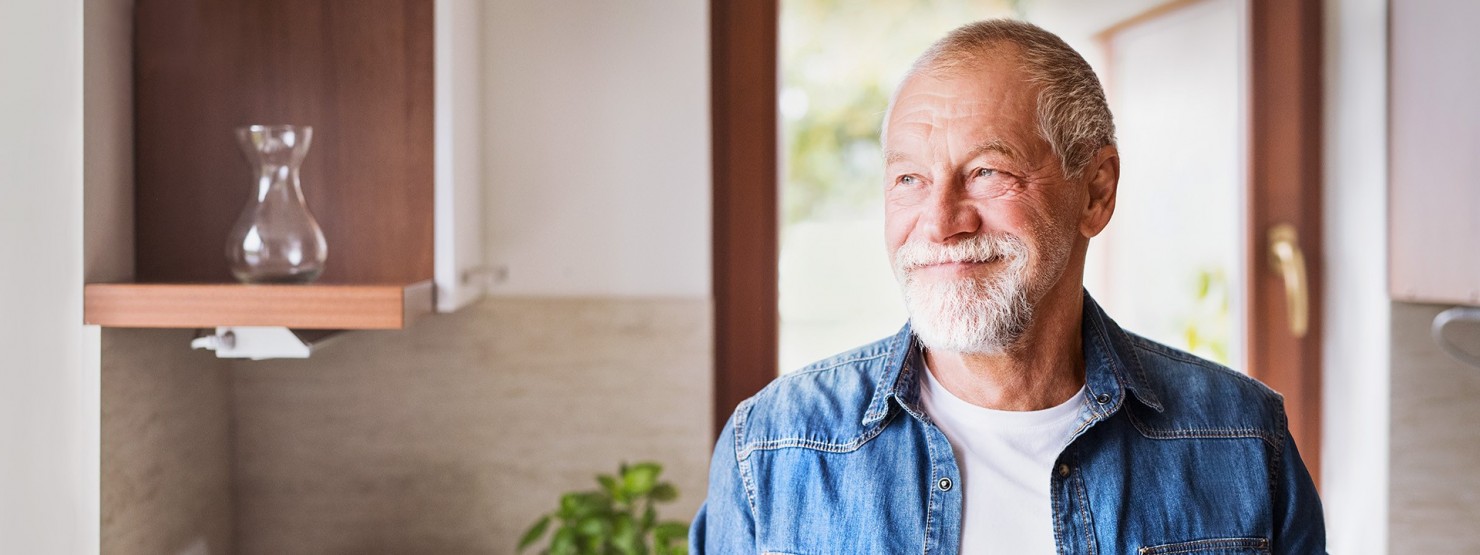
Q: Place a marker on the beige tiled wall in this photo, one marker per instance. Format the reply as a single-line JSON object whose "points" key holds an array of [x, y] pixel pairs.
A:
{"points": [[166, 449], [1435, 472], [453, 436], [448, 438]]}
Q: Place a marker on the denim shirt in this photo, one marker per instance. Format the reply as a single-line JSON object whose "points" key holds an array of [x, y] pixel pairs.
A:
{"points": [[1172, 455]]}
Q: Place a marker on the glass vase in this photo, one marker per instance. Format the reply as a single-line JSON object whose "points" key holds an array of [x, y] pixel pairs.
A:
{"points": [[276, 239]]}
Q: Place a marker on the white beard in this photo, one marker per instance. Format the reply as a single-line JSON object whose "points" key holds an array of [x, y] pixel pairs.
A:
{"points": [[978, 315]]}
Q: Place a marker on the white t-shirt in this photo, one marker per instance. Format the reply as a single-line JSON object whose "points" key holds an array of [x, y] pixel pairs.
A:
{"points": [[1006, 460]]}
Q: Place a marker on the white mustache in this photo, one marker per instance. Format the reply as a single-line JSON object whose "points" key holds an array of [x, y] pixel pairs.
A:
{"points": [[977, 248]]}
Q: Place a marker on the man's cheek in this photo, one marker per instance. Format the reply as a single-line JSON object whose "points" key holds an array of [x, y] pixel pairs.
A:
{"points": [[896, 232]]}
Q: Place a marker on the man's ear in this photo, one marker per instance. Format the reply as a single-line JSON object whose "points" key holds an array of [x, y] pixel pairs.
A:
{"points": [[1103, 178]]}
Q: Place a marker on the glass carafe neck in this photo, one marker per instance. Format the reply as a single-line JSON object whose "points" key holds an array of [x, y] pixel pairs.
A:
{"points": [[275, 145]]}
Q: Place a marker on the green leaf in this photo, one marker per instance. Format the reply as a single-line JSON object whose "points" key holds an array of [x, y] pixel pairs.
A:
{"points": [[640, 479], [534, 532], [617, 518], [671, 529], [592, 545], [648, 517], [570, 503], [623, 531], [664, 492], [622, 526], [591, 526], [564, 542], [624, 536], [586, 504], [608, 483]]}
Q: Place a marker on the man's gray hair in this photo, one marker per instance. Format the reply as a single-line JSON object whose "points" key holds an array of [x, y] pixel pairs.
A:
{"points": [[1072, 113]]}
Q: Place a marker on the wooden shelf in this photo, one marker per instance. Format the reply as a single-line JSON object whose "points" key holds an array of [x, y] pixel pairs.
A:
{"points": [[365, 76], [208, 305]]}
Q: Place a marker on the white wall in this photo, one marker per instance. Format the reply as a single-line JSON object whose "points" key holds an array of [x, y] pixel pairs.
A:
{"points": [[597, 147], [48, 394], [1357, 316], [1078, 21]]}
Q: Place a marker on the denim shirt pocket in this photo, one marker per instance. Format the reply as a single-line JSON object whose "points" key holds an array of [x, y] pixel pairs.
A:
{"points": [[1216, 546]]}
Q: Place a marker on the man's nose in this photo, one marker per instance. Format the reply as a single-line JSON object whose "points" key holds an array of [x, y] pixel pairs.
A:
{"points": [[949, 214]]}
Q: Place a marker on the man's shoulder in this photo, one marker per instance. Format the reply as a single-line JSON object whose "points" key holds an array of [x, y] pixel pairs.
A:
{"points": [[1201, 398], [821, 405]]}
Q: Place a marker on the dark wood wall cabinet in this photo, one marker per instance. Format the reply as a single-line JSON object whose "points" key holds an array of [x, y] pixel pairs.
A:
{"points": [[391, 89]]}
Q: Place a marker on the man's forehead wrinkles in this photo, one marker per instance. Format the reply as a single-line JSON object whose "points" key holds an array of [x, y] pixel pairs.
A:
{"points": [[912, 131], [948, 142], [993, 145], [939, 112]]}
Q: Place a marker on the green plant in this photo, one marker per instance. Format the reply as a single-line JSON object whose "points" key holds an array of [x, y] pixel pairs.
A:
{"points": [[618, 519]]}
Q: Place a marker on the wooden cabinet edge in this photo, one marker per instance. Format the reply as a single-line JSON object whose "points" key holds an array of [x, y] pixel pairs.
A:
{"points": [[318, 306]]}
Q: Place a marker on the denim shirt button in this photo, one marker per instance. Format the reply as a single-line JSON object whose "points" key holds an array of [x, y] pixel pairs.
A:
{"points": [[1063, 471], [1103, 398], [945, 484]]}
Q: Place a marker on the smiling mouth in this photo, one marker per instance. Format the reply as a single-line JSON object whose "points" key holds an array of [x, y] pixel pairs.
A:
{"points": [[962, 264]]}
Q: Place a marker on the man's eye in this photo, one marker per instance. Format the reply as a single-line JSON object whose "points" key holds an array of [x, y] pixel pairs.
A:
{"points": [[986, 172], [909, 180]]}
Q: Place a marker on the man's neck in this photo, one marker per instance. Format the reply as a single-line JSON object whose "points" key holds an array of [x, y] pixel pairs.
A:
{"points": [[1043, 370]]}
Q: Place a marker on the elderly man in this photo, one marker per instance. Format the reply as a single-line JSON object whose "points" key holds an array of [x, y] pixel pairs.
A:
{"points": [[1011, 415]]}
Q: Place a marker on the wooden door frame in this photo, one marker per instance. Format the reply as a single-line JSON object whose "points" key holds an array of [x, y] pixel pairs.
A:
{"points": [[743, 91], [1284, 186]]}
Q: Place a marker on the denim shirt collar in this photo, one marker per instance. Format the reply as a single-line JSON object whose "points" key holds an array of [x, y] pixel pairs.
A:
{"points": [[1110, 369]]}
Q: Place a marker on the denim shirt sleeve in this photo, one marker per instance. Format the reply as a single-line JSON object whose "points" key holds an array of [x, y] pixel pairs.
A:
{"points": [[1300, 528], [725, 523]]}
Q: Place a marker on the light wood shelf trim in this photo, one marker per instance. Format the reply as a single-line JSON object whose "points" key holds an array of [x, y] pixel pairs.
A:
{"points": [[208, 305]]}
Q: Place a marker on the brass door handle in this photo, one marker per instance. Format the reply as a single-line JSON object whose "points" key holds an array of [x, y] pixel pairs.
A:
{"points": [[1287, 260]]}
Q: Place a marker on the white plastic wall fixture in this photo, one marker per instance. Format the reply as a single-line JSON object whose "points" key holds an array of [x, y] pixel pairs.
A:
{"points": [[458, 153], [262, 343]]}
